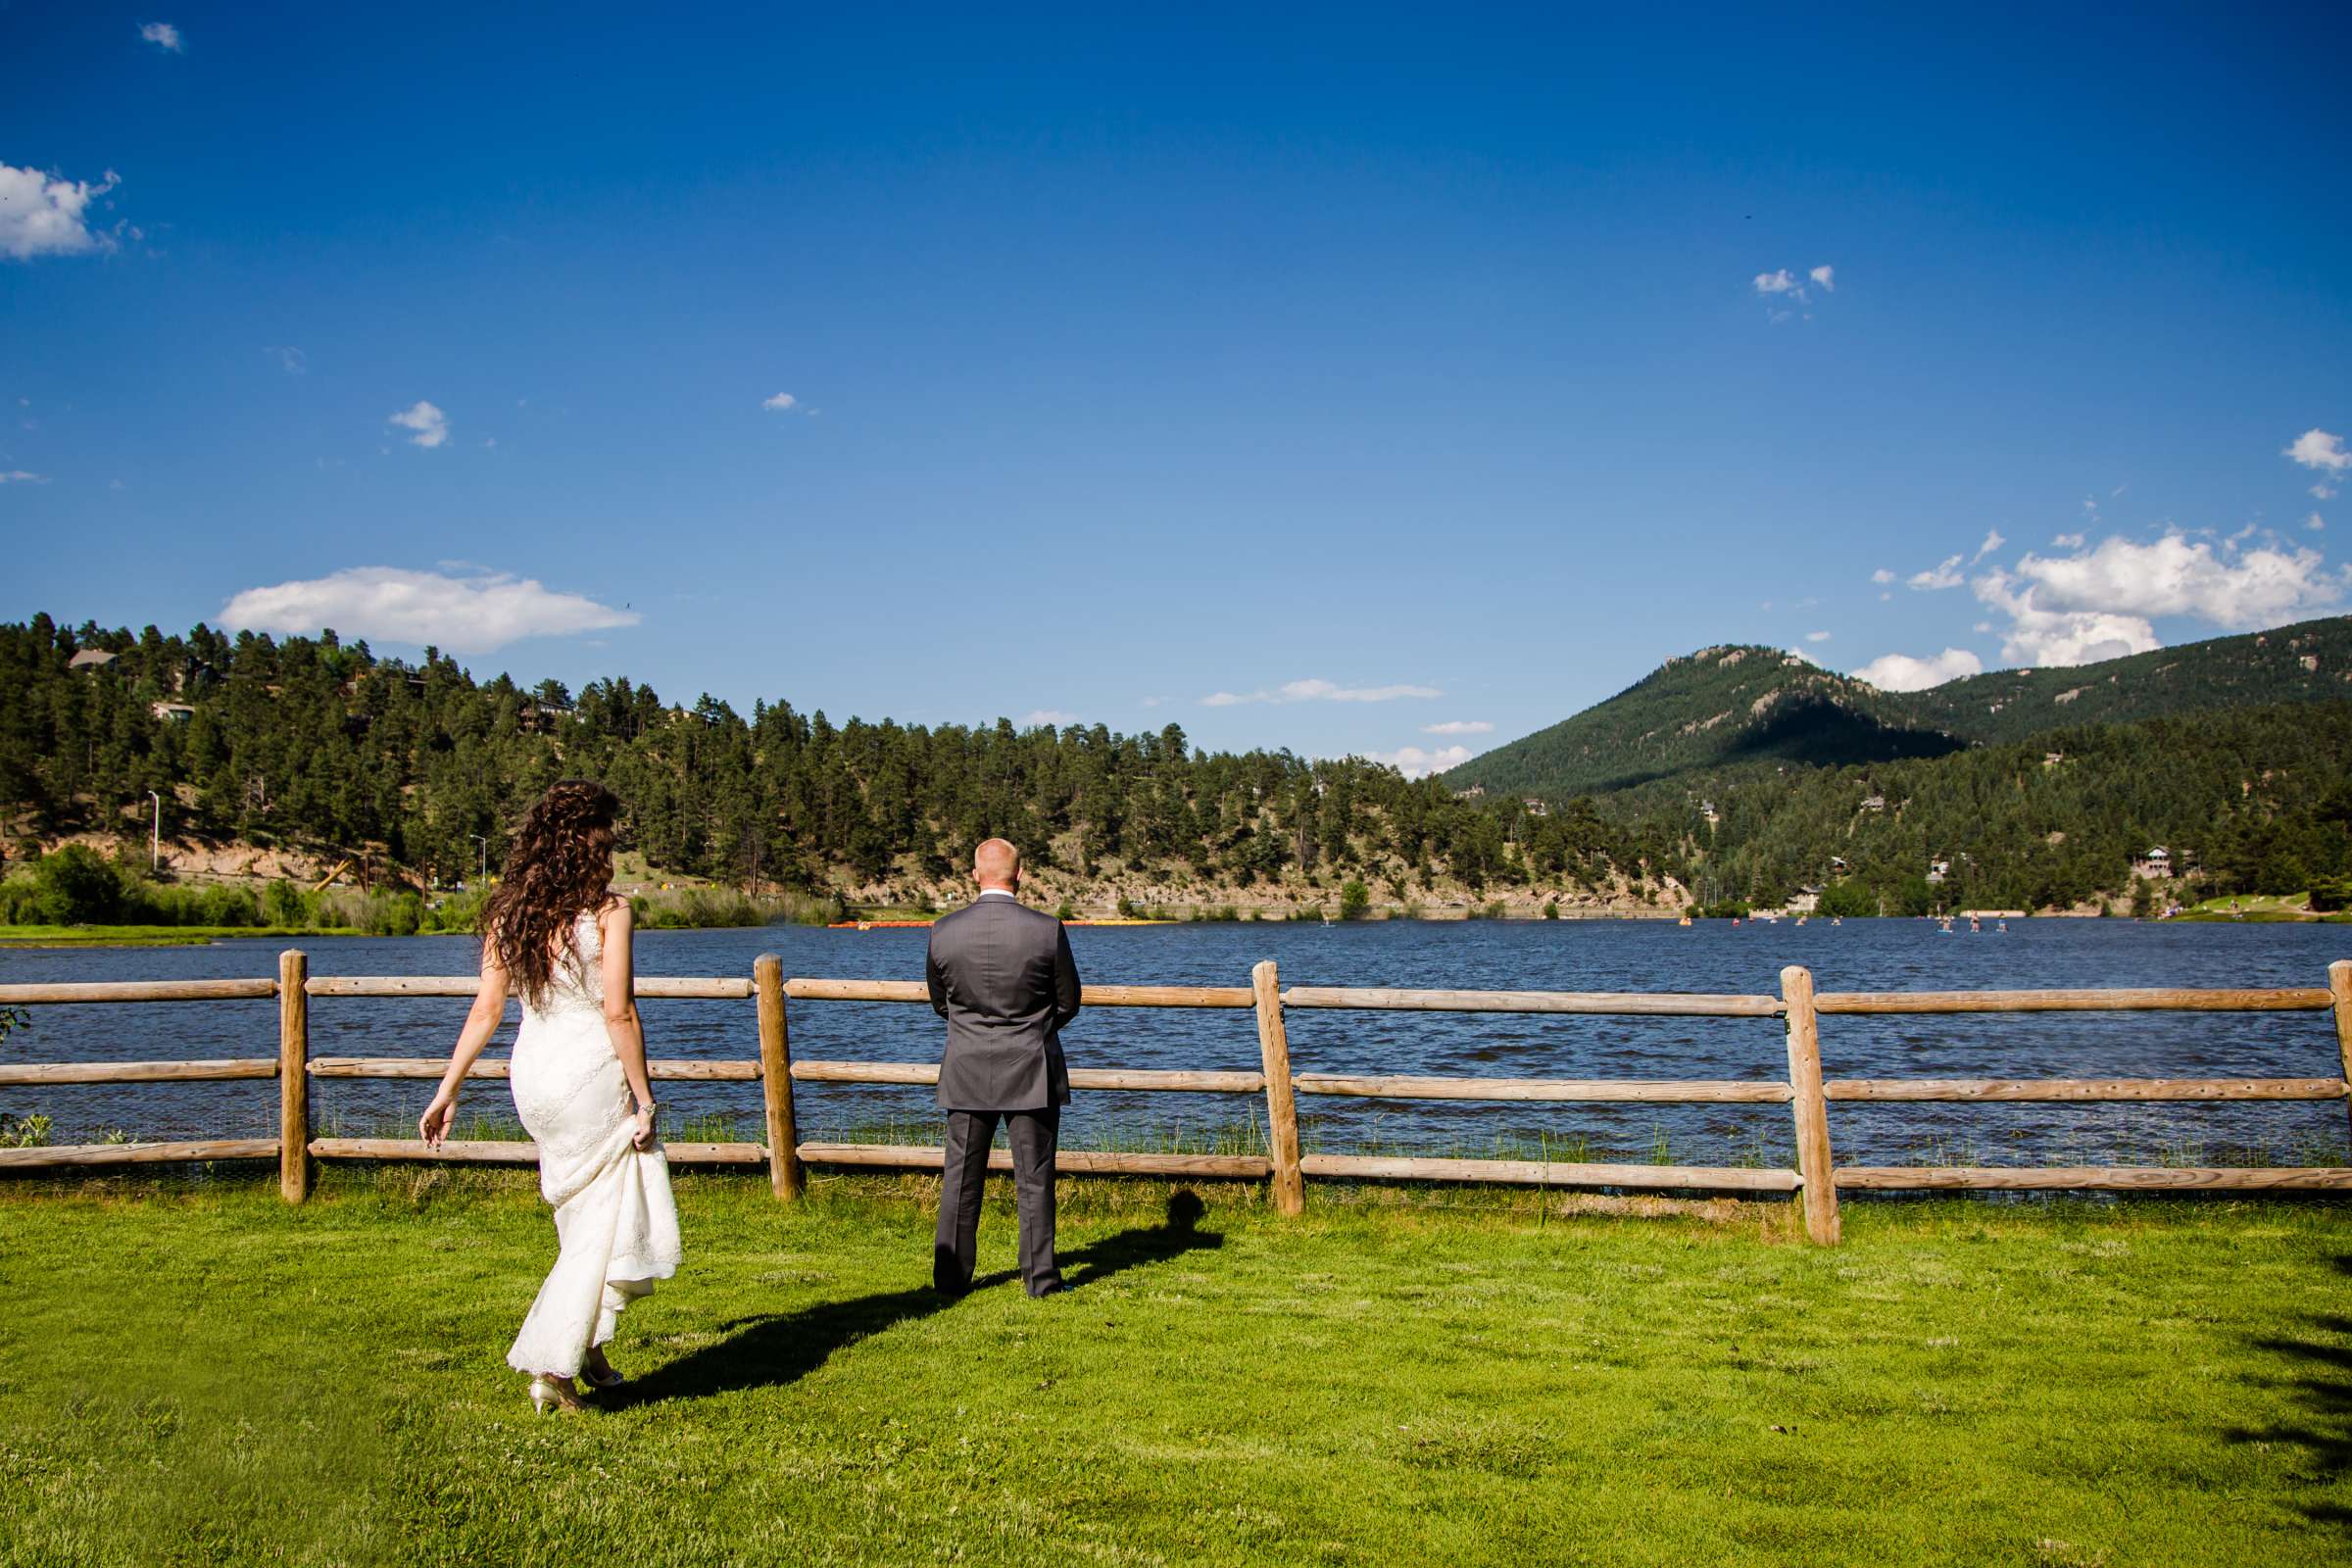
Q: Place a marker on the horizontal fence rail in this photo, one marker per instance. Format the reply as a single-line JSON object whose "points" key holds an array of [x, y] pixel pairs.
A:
{"points": [[1815, 1179]]}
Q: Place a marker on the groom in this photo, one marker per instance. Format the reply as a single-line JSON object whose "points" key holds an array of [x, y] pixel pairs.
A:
{"points": [[1002, 977]]}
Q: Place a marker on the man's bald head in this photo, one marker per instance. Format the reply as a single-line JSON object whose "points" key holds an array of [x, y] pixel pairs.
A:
{"points": [[996, 864]]}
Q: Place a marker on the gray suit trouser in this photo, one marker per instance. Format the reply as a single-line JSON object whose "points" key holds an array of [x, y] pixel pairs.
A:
{"points": [[1032, 1135]]}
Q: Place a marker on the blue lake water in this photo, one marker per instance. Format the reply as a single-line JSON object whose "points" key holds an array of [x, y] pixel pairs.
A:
{"points": [[1580, 955]]}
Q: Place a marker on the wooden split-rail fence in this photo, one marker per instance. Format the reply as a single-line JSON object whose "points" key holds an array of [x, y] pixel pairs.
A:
{"points": [[1816, 1179]]}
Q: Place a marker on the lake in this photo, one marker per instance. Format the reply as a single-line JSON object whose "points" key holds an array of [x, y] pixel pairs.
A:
{"points": [[1581, 955]]}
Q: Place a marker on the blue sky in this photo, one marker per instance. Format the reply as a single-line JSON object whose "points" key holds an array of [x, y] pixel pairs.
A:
{"points": [[1344, 382]]}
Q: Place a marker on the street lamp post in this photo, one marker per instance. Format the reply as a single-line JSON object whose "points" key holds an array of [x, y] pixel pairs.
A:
{"points": [[485, 844], [155, 834]]}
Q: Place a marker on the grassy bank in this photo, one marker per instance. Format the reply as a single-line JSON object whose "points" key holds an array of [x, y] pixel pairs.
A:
{"points": [[212, 1376], [153, 936]]}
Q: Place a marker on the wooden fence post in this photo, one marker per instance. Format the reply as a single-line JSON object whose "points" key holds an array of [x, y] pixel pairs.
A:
{"points": [[784, 1169], [293, 1076], [1812, 1111], [2339, 982], [1282, 1105]]}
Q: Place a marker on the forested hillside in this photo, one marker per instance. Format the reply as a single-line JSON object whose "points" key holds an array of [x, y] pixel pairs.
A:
{"points": [[1717, 708], [2310, 662], [1722, 707], [314, 742], [1734, 773], [2249, 801]]}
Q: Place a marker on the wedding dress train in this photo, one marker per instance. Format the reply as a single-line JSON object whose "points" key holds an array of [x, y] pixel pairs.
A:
{"points": [[616, 1226]]}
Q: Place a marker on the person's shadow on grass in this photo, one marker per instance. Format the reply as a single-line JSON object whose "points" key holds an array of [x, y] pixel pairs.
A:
{"points": [[2323, 1389], [779, 1348]]}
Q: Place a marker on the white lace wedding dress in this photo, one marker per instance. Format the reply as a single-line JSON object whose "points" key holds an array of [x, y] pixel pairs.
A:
{"points": [[616, 1226]]}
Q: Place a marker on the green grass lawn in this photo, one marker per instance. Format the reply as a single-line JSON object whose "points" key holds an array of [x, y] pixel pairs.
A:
{"points": [[208, 1376]]}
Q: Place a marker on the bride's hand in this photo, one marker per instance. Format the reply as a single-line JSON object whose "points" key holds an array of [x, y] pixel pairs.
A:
{"points": [[645, 1128], [439, 1116]]}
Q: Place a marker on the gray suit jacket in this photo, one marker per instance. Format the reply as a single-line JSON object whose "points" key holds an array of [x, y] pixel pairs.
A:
{"points": [[1002, 977]]}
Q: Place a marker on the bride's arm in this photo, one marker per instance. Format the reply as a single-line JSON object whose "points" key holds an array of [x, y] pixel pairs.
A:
{"points": [[483, 1020], [618, 925]]}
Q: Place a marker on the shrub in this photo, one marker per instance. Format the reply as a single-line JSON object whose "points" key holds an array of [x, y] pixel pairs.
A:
{"points": [[281, 904], [1355, 900], [76, 887], [225, 906]]}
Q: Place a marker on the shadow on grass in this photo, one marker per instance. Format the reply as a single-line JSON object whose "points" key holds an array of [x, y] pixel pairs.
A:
{"points": [[782, 1347], [2323, 1389]]}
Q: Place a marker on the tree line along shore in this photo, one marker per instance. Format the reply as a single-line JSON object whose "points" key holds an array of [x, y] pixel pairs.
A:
{"points": [[316, 759]]}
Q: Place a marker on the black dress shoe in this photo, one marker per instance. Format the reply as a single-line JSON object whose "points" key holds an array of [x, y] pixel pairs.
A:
{"points": [[1044, 1291]]}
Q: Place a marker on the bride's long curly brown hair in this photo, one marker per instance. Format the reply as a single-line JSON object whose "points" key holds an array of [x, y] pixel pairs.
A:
{"points": [[559, 865]]}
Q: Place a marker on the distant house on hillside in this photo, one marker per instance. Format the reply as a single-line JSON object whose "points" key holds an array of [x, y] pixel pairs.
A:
{"points": [[1707, 809], [90, 659], [1536, 807], [1837, 862], [1476, 792], [2155, 866], [1938, 870], [172, 713], [1874, 802]]}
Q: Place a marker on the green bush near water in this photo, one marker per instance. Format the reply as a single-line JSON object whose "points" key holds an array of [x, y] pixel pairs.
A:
{"points": [[700, 907]]}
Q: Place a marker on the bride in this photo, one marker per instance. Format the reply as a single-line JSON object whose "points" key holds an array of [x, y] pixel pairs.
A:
{"points": [[553, 934]]}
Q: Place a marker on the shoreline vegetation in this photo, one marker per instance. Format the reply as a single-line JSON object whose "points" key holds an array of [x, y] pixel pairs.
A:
{"points": [[75, 899]]}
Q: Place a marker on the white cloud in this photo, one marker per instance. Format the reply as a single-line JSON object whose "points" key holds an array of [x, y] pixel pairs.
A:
{"points": [[2067, 541], [2317, 449], [1992, 541], [2323, 491], [781, 403], [2172, 576], [1786, 287], [43, 215], [1817, 636], [292, 360], [429, 423], [19, 476], [1414, 762], [1901, 672], [1318, 691], [1053, 718], [1882, 576], [473, 615], [2314, 523], [1945, 574], [164, 36], [1459, 726]]}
